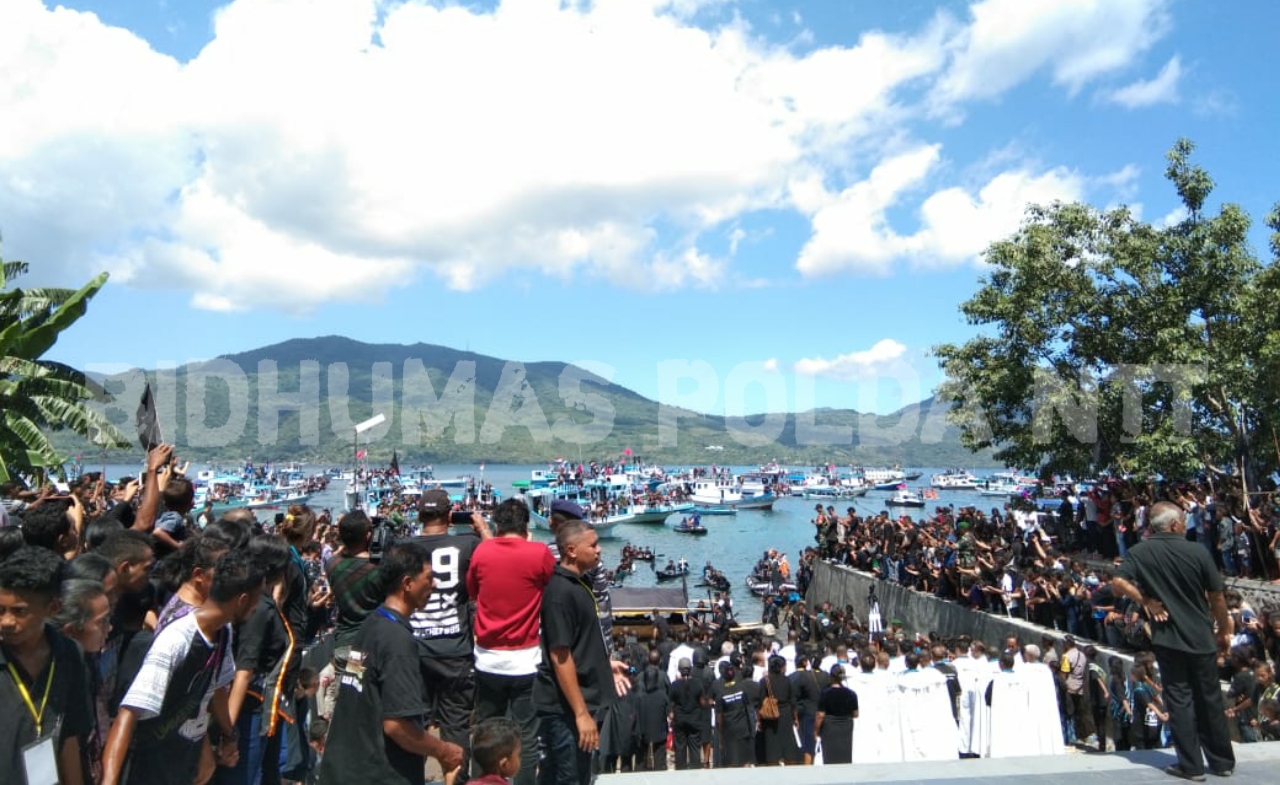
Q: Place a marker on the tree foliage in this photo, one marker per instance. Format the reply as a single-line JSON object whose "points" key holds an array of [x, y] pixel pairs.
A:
{"points": [[38, 396], [1086, 310]]}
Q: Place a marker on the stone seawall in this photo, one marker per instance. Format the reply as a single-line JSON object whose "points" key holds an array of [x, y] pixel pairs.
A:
{"points": [[843, 586]]}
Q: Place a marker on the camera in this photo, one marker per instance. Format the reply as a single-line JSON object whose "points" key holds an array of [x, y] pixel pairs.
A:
{"points": [[460, 518], [380, 538]]}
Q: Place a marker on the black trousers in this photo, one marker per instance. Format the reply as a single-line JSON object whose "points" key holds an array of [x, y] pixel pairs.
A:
{"points": [[1193, 698], [451, 700], [687, 733]]}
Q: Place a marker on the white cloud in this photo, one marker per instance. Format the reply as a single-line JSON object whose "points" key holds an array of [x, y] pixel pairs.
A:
{"points": [[315, 151], [1077, 41], [770, 364], [856, 366], [1161, 89], [852, 231]]}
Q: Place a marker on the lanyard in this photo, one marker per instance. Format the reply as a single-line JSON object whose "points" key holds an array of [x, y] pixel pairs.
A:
{"points": [[38, 716]]}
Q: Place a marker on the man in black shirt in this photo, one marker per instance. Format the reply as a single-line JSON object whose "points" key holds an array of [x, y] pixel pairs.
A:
{"points": [[42, 677], [575, 679], [807, 686], [443, 624], [1178, 585], [377, 734]]}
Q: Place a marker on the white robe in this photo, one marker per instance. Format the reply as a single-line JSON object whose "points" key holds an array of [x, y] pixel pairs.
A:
{"points": [[1024, 713], [924, 716], [974, 677], [876, 738]]}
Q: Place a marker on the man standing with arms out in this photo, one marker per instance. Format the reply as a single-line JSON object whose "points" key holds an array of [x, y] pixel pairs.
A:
{"points": [[377, 734], [166, 713], [443, 625], [507, 576], [1180, 588], [574, 681]]}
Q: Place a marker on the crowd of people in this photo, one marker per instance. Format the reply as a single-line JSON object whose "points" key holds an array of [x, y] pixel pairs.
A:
{"points": [[1052, 568], [144, 643]]}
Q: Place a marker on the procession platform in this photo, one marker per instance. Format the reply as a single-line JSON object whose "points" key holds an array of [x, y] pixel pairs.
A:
{"points": [[1255, 764]]}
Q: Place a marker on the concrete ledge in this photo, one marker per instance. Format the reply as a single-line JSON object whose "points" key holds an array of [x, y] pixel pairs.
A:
{"points": [[1255, 764], [925, 613]]}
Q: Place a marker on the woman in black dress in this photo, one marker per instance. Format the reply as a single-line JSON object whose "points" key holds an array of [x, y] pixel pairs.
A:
{"points": [[837, 709], [777, 737], [737, 722], [655, 708]]}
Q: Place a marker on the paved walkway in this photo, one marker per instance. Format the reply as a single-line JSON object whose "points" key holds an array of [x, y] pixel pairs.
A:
{"points": [[1256, 764]]}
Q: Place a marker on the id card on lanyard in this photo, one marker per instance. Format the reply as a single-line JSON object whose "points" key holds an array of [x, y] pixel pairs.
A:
{"points": [[39, 758]]}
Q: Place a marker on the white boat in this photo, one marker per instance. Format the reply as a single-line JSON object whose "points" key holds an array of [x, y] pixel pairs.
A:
{"points": [[904, 498], [883, 476], [1000, 489], [955, 480], [586, 497], [715, 492], [658, 513], [604, 527]]}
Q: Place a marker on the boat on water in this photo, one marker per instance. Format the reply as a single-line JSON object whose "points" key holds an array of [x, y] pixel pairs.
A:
{"points": [[720, 492], [658, 513], [714, 579], [715, 510], [904, 498], [604, 526], [955, 480], [690, 525], [762, 586], [672, 572], [836, 492], [605, 504], [1000, 489]]}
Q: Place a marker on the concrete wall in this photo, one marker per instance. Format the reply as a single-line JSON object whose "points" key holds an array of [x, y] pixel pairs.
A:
{"points": [[923, 612]]}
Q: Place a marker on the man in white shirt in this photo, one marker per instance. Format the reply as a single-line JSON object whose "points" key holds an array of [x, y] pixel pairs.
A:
{"points": [[681, 652]]}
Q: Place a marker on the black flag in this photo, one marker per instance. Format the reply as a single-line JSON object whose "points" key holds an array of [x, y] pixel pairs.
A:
{"points": [[148, 421], [395, 463]]}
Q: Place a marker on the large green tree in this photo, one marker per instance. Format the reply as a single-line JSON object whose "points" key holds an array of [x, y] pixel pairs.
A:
{"points": [[1111, 344], [38, 396]]}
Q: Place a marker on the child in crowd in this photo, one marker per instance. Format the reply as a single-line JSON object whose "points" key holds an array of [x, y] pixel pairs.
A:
{"points": [[1269, 720], [495, 748]]}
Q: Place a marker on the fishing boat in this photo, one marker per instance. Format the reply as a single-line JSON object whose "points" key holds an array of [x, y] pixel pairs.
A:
{"points": [[720, 492], [592, 495], [955, 480], [904, 498], [716, 510], [658, 513], [1000, 489]]}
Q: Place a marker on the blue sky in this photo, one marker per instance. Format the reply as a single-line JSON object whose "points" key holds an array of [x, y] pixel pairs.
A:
{"points": [[806, 187]]}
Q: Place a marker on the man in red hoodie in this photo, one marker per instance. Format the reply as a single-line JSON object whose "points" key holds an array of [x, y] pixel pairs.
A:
{"points": [[506, 578]]}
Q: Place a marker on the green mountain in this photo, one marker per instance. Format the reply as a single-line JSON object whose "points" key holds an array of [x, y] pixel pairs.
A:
{"points": [[480, 408]]}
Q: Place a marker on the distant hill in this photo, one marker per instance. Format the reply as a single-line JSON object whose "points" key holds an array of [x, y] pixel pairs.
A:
{"points": [[463, 386]]}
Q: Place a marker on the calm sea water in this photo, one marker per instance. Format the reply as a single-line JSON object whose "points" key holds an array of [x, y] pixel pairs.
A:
{"points": [[734, 542]]}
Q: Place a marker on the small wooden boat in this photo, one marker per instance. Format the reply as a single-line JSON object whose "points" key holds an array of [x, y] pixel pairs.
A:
{"points": [[671, 574], [686, 526]]}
